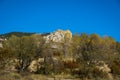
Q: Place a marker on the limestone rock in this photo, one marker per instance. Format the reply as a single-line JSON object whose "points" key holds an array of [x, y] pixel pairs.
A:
{"points": [[35, 65], [58, 36]]}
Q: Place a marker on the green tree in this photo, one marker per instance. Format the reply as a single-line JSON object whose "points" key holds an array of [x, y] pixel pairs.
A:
{"points": [[94, 47], [24, 49], [108, 48], [5, 56], [76, 45], [47, 53]]}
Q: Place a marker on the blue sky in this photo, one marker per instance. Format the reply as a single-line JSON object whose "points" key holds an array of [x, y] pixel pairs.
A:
{"points": [[90, 16]]}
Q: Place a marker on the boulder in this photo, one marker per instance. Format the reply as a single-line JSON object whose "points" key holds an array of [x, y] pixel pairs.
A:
{"points": [[35, 65]]}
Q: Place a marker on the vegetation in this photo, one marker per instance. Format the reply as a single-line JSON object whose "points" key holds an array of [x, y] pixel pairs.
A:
{"points": [[85, 57], [18, 34]]}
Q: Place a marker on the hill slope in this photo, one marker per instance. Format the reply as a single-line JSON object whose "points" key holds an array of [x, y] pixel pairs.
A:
{"points": [[19, 34]]}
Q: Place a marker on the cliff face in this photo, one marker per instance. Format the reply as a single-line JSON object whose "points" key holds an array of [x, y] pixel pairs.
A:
{"points": [[58, 36]]}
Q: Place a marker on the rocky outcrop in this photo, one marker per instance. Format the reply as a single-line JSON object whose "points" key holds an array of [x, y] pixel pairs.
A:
{"points": [[58, 36], [35, 65]]}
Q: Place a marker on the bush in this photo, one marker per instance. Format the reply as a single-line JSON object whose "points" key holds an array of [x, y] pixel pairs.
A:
{"points": [[115, 66], [98, 73]]}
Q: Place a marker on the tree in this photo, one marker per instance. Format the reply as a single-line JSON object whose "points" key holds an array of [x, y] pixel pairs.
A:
{"points": [[84, 40], [76, 45], [66, 46], [24, 49], [94, 47], [118, 47], [47, 53], [5, 56], [108, 48]]}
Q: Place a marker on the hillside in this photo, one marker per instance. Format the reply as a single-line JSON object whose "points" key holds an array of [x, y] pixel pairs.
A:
{"points": [[60, 53], [19, 34]]}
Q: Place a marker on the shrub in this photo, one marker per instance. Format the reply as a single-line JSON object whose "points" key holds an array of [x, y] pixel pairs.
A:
{"points": [[99, 73], [115, 66]]}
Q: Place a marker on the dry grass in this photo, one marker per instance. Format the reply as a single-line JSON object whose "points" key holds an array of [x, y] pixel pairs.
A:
{"points": [[17, 76]]}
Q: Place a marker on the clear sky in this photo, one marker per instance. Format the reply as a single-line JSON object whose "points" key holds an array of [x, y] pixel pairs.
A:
{"points": [[89, 16]]}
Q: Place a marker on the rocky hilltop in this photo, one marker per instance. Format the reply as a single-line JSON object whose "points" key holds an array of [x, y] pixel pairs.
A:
{"points": [[58, 36]]}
